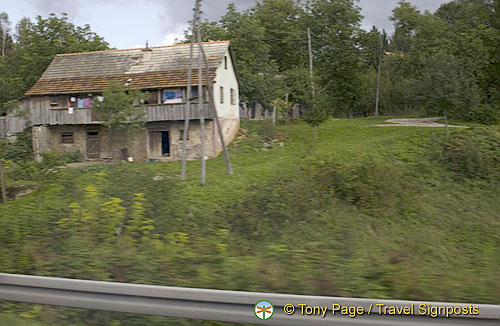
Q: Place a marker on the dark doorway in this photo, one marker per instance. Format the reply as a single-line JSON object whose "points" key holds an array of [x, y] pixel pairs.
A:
{"points": [[93, 145], [165, 143]]}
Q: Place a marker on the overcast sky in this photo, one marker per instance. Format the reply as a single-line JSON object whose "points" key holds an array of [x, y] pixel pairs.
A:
{"points": [[129, 23]]}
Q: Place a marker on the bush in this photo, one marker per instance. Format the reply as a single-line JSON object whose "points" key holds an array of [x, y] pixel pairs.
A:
{"points": [[267, 131], [485, 114], [20, 150], [473, 153], [368, 184], [72, 157]]}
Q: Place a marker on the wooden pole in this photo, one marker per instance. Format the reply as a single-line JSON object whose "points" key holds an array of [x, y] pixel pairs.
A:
{"points": [[2, 181], [287, 107], [200, 96], [446, 125], [310, 61], [379, 69], [274, 112], [309, 45], [187, 113], [229, 167]]}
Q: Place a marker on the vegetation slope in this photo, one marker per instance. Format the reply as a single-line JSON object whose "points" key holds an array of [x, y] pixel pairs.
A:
{"points": [[390, 213]]}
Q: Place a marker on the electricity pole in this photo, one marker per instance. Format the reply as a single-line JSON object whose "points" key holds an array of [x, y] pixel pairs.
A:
{"points": [[187, 112], [201, 56], [311, 75], [200, 95], [229, 167], [310, 60], [378, 76]]}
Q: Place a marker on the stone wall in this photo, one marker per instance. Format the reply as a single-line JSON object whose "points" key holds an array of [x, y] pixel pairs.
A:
{"points": [[139, 145]]}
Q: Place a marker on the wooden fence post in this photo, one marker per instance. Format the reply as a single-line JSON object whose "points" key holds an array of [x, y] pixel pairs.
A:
{"points": [[2, 182]]}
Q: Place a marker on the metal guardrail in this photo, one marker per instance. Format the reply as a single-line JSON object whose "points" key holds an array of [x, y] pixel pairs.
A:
{"points": [[225, 306]]}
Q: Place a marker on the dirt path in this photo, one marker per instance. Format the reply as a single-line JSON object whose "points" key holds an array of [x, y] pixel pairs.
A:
{"points": [[417, 122]]}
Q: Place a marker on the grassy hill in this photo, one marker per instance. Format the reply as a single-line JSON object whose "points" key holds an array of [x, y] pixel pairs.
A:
{"points": [[390, 213]]}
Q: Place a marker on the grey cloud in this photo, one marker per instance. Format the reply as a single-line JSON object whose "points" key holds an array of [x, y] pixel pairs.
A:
{"points": [[377, 12], [174, 13], [173, 16], [170, 16]]}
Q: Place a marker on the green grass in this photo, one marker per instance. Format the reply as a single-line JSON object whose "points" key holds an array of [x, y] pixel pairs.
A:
{"points": [[252, 163], [363, 212], [12, 320]]}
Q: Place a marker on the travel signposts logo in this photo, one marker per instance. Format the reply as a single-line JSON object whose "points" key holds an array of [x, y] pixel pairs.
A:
{"points": [[264, 310]]}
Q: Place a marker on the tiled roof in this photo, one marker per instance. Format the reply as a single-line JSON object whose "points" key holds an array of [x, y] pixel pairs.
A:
{"points": [[93, 71]]}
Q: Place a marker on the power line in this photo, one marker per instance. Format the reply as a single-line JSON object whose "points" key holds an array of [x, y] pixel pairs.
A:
{"points": [[210, 17], [187, 112], [196, 32], [216, 8]]}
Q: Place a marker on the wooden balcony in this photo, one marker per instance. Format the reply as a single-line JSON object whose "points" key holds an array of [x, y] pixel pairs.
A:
{"points": [[160, 112]]}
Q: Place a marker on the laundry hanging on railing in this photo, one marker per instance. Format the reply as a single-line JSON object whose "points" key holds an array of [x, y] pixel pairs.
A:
{"points": [[172, 96]]}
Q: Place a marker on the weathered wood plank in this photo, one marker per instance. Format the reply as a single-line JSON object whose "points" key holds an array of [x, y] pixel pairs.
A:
{"points": [[3, 127], [167, 112], [42, 113]]}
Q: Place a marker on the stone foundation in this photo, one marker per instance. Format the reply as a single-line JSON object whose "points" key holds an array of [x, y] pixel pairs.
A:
{"points": [[161, 140]]}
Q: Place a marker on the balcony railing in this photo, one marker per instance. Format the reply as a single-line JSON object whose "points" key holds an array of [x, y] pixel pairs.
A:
{"points": [[160, 112]]}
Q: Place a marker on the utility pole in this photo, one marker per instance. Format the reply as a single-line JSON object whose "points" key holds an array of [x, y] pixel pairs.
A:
{"points": [[310, 60], [378, 76], [311, 75], [2, 182], [274, 112], [187, 112], [229, 167], [200, 95]]}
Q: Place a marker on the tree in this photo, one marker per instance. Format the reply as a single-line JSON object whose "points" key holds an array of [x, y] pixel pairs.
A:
{"points": [[317, 109], [5, 34], [466, 32], [374, 44], [405, 18], [121, 112], [285, 33], [475, 35], [445, 88], [337, 56], [255, 67], [35, 46]]}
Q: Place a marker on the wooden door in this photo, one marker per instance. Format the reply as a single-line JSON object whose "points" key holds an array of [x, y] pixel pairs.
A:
{"points": [[159, 144], [155, 144], [93, 144]]}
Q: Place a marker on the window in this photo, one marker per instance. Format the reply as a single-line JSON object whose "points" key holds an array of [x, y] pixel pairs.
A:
{"points": [[225, 62], [174, 95], [233, 96], [67, 138], [53, 100], [153, 98], [194, 93], [181, 135], [222, 94]]}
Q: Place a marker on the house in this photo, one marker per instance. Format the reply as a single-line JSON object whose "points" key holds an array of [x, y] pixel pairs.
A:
{"points": [[64, 119], [10, 125]]}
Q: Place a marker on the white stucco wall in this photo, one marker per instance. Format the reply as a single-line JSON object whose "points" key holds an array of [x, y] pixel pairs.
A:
{"points": [[226, 78]]}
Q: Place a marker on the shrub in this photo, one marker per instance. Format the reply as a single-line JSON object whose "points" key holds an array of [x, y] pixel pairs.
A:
{"points": [[20, 150], [485, 114], [267, 131], [473, 153], [72, 157], [369, 184]]}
